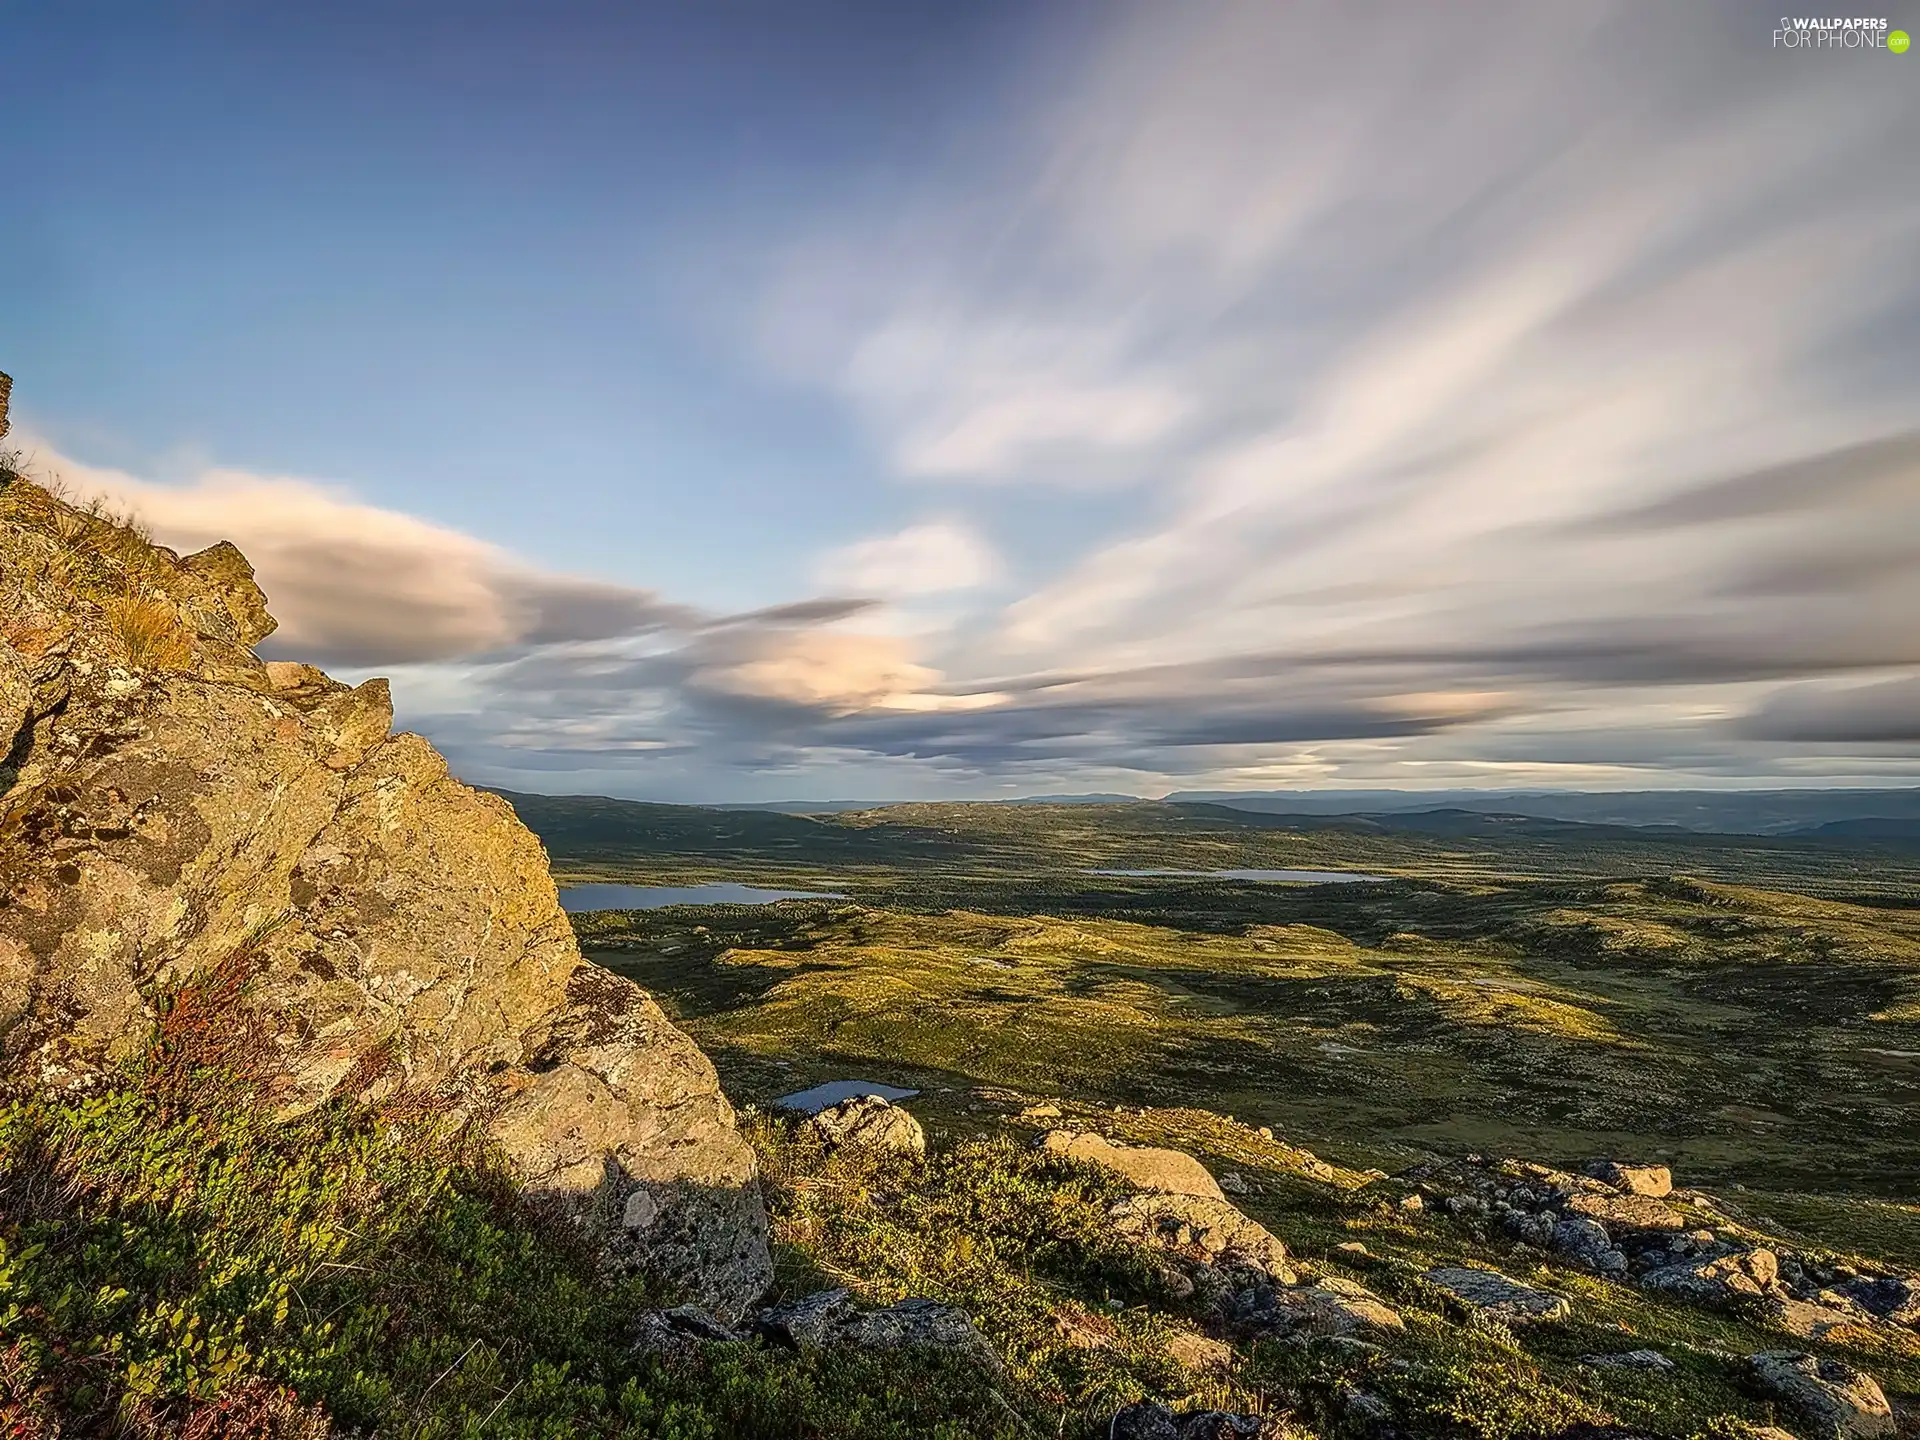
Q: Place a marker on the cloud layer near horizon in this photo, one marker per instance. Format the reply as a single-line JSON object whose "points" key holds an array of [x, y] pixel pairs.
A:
{"points": [[1503, 395]]}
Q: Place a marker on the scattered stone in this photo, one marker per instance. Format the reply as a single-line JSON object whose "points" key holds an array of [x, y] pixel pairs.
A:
{"points": [[1041, 1112], [1497, 1297], [1718, 1280], [1587, 1243], [1234, 1183], [1838, 1401], [1147, 1420], [1213, 1229], [1652, 1180], [1631, 1214], [1630, 1360], [1353, 1247], [1168, 1172], [873, 1123], [1265, 1132], [829, 1318]]}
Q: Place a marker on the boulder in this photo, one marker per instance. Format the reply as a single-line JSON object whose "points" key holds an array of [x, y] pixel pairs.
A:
{"points": [[1587, 1243], [1835, 1400], [830, 1318], [679, 1332], [1717, 1280], [1166, 1172], [1891, 1297], [1629, 1360], [1493, 1296], [177, 816], [1329, 1306], [1652, 1180], [871, 1122], [1211, 1230], [1627, 1214]]}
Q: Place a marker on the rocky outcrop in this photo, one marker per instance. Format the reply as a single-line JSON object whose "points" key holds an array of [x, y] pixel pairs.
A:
{"points": [[177, 815]]}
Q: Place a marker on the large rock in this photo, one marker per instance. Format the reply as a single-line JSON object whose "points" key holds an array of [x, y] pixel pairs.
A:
{"points": [[871, 1122], [354, 922], [1328, 1306], [1497, 1297], [1627, 1214], [1587, 1243], [1652, 1180], [1892, 1297], [1211, 1230], [1836, 1401], [1169, 1172]]}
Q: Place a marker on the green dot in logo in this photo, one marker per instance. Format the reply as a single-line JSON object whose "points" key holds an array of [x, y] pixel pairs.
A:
{"points": [[1897, 41]]}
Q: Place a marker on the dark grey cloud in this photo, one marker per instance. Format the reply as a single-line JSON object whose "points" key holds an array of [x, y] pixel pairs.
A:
{"points": [[1887, 713], [1873, 476]]}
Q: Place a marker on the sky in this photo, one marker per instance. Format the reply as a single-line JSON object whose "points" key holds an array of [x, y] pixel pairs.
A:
{"points": [[763, 401]]}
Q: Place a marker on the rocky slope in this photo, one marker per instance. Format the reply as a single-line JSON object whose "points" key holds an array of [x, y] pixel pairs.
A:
{"points": [[178, 816]]}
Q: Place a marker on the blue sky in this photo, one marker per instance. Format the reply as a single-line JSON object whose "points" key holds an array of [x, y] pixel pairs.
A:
{"points": [[778, 401]]}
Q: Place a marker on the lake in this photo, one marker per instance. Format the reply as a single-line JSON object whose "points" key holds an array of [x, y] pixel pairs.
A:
{"points": [[822, 1097], [1297, 877], [579, 898]]}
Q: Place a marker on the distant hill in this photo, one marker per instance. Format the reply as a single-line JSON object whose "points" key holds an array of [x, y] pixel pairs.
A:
{"points": [[1726, 812]]}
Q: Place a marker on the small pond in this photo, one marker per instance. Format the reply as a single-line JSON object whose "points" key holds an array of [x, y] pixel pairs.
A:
{"points": [[813, 1101], [579, 898], [1297, 877]]}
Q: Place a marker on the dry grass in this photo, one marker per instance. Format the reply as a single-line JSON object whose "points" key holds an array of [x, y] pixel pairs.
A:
{"points": [[150, 631], [64, 556]]}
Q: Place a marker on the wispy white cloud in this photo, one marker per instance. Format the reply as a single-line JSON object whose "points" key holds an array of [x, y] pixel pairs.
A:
{"points": [[930, 558]]}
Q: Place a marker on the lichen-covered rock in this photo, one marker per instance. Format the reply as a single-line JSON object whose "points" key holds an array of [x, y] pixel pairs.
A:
{"points": [[1214, 1229], [1651, 1180], [1717, 1280], [1149, 1420], [829, 1318], [1497, 1297], [176, 813], [1628, 1214], [1168, 1172], [1891, 1297], [870, 1121], [1835, 1400], [1587, 1243], [1328, 1306]]}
